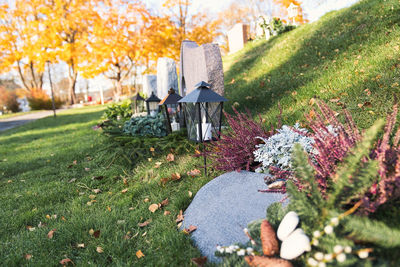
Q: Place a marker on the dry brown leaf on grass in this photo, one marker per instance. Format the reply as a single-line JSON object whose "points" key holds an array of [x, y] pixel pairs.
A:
{"points": [[194, 173], [153, 207], [199, 261], [170, 157], [268, 239], [190, 229], [163, 181], [51, 234], [96, 234], [175, 176], [164, 203], [27, 256], [145, 223], [96, 191], [99, 250], [167, 212], [125, 181], [82, 245], [157, 164], [180, 217], [124, 191], [259, 261], [66, 261], [139, 254]]}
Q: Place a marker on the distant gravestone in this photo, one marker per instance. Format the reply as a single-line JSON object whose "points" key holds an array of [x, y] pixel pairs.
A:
{"points": [[224, 207], [166, 76], [149, 84], [200, 63], [238, 36]]}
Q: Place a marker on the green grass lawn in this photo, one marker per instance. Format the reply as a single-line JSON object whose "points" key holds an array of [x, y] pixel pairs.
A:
{"points": [[38, 179], [348, 57]]}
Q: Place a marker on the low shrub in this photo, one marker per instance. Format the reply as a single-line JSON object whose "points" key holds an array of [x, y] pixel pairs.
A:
{"points": [[146, 126], [277, 149], [122, 111], [38, 99]]}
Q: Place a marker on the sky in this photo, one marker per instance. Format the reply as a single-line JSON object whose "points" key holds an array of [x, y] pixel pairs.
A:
{"points": [[311, 8]]}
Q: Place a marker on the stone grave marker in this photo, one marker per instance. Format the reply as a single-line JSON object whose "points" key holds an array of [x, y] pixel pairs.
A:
{"points": [[224, 207], [238, 36], [166, 76], [149, 84], [200, 63]]}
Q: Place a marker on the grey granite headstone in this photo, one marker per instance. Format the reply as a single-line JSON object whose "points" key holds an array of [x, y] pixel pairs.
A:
{"points": [[149, 84], [238, 36], [200, 63], [224, 207], [166, 76]]}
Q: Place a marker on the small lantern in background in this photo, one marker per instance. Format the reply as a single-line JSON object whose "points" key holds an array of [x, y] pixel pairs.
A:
{"points": [[203, 114], [137, 103], [152, 104], [172, 110], [293, 12]]}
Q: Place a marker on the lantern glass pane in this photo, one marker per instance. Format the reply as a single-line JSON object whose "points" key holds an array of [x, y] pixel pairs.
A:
{"points": [[153, 106], [208, 120], [191, 109]]}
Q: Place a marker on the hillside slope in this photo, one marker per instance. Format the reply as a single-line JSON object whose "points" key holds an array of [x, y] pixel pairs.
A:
{"points": [[347, 58]]}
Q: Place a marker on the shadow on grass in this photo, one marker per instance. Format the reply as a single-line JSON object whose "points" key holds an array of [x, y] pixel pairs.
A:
{"points": [[336, 37]]}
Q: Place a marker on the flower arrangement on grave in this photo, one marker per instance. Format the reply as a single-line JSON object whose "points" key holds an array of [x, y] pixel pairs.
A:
{"points": [[333, 231], [233, 151]]}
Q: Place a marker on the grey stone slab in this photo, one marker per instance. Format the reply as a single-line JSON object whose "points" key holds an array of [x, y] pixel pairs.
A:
{"points": [[166, 76], [224, 207], [149, 84], [200, 63]]}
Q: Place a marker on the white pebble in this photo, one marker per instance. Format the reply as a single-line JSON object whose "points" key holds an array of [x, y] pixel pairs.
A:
{"points": [[319, 256], [287, 225], [347, 249], [341, 257]]}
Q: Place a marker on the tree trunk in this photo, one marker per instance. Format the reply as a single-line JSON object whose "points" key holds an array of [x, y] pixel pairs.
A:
{"points": [[118, 90], [73, 75]]}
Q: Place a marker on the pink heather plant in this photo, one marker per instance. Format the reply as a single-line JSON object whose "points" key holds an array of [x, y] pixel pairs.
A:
{"points": [[334, 142], [234, 150]]}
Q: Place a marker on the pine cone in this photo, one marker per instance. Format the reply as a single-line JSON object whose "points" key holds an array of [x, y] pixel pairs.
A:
{"points": [[259, 261], [268, 239]]}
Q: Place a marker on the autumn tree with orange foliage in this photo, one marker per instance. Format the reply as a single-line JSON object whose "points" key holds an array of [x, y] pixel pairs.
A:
{"points": [[116, 42], [21, 40]]}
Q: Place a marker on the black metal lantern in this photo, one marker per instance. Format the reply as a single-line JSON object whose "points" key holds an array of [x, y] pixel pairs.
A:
{"points": [[152, 104], [203, 113], [137, 103], [172, 111]]}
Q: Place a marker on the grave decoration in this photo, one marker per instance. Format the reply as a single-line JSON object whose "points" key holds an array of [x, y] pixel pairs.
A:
{"points": [[203, 114], [137, 103], [172, 111], [152, 105]]}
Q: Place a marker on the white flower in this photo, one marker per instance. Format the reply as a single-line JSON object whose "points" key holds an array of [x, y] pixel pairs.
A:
{"points": [[328, 257], [321, 264], [341, 257], [235, 247], [220, 249], [228, 250], [246, 231], [328, 229], [315, 242], [363, 254], [317, 234], [347, 249], [335, 221], [337, 249], [249, 250], [241, 252], [312, 262], [319, 256]]}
